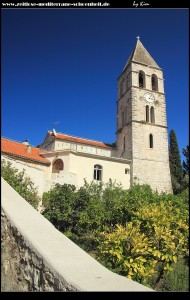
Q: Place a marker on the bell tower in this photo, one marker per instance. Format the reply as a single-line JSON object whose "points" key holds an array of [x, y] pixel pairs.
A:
{"points": [[141, 120]]}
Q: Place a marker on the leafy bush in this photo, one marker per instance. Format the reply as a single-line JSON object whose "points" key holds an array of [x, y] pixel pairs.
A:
{"points": [[158, 233], [137, 233], [20, 182], [59, 206], [177, 280]]}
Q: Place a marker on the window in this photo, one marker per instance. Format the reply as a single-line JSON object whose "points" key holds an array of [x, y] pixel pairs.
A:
{"points": [[152, 117], [57, 166], [123, 118], [154, 82], [126, 171], [127, 82], [151, 141], [124, 143], [97, 172], [126, 115], [147, 113], [121, 88], [141, 79]]}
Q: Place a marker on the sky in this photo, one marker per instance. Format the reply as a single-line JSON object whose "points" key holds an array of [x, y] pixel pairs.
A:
{"points": [[59, 69]]}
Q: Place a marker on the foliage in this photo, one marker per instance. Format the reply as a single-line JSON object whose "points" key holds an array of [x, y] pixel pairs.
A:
{"points": [[137, 232], [159, 233], [175, 163], [175, 160], [20, 182], [185, 164], [59, 204], [128, 251], [185, 182], [177, 280], [105, 207], [185, 152]]}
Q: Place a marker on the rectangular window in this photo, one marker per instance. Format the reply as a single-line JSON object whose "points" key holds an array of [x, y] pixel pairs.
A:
{"points": [[121, 89], [97, 172], [126, 171], [123, 118], [151, 141], [147, 113]]}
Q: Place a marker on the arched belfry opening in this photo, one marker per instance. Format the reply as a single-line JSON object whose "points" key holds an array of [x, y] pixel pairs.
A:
{"points": [[57, 166], [154, 82], [152, 115], [141, 79]]}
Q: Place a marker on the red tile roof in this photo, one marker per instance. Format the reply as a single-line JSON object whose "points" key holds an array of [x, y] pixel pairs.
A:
{"points": [[20, 150], [79, 140]]}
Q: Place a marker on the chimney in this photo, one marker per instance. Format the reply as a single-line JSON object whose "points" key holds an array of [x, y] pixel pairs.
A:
{"points": [[28, 149], [26, 142]]}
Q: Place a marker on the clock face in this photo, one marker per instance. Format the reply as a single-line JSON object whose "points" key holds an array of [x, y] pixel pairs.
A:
{"points": [[149, 97]]}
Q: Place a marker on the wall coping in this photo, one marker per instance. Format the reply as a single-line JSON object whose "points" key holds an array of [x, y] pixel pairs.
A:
{"points": [[59, 253]]}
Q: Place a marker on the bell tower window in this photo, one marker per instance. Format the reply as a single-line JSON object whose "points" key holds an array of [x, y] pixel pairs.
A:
{"points": [[141, 79], [147, 113], [154, 82], [152, 116]]}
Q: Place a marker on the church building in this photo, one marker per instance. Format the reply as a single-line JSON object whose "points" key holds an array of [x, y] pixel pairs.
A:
{"points": [[140, 154]]}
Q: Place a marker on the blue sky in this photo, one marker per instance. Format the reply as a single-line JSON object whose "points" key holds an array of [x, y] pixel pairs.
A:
{"points": [[61, 65]]}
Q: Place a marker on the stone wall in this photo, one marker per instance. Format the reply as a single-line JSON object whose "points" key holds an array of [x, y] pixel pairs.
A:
{"points": [[22, 269], [37, 257]]}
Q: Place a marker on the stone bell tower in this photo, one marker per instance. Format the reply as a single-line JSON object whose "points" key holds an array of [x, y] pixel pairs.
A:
{"points": [[141, 120]]}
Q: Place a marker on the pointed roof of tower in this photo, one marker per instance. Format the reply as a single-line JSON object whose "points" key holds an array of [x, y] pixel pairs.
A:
{"points": [[141, 55]]}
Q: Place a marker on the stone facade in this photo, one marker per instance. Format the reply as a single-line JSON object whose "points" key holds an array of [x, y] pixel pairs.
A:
{"points": [[22, 269], [142, 124]]}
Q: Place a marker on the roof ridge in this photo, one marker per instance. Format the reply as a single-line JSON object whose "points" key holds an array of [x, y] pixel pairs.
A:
{"points": [[78, 137], [15, 141]]}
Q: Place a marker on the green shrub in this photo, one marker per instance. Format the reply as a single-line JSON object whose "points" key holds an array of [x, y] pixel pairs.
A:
{"points": [[177, 280], [20, 182], [98, 217]]}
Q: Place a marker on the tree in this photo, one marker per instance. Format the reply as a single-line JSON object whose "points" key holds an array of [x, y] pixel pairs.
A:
{"points": [[185, 152], [185, 179], [20, 182], [175, 163], [59, 205]]}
